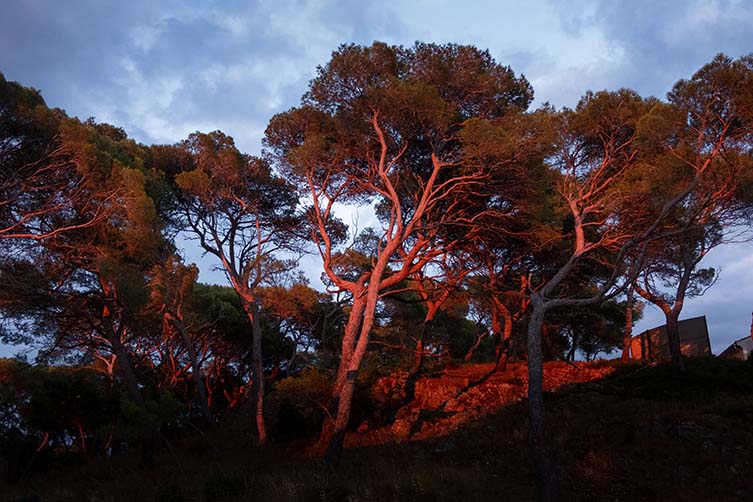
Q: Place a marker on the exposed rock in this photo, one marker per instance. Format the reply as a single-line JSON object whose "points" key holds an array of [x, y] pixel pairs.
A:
{"points": [[389, 391], [400, 429], [445, 402], [434, 392]]}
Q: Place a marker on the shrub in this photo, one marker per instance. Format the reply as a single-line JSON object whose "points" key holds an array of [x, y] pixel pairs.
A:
{"points": [[298, 404]]}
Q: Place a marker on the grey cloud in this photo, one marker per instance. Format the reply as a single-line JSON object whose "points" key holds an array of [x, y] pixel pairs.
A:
{"points": [[145, 65], [665, 41]]}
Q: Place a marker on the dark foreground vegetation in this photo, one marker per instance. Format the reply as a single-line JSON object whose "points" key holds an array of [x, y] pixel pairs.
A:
{"points": [[640, 433], [498, 234]]}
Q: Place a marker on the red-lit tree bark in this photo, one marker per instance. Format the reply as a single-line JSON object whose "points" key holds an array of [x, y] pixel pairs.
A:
{"points": [[81, 290], [597, 153], [171, 285], [387, 124], [704, 127], [45, 185], [505, 305]]}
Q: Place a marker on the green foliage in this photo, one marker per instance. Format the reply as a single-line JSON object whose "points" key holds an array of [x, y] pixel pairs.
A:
{"points": [[299, 403], [591, 329], [163, 412], [59, 399]]}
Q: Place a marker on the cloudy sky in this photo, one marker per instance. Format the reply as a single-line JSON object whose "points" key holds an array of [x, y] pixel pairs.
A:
{"points": [[162, 69]]}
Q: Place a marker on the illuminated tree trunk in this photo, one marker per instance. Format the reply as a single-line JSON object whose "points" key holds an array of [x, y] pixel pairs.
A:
{"points": [[352, 328], [251, 307], [351, 366], [337, 438], [472, 350], [418, 360], [505, 344]]}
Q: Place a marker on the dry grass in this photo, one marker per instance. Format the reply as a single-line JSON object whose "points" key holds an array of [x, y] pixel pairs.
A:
{"points": [[639, 434]]}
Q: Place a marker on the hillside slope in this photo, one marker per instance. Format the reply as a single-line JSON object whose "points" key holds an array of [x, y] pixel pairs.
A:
{"points": [[636, 433]]}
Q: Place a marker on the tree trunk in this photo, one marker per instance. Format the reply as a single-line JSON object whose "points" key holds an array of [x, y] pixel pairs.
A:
{"points": [[573, 347], [505, 345], [415, 373], [130, 376], [472, 350], [195, 369], [350, 337], [148, 436], [671, 314], [257, 368], [418, 359], [547, 480], [673, 340], [335, 445], [345, 398], [628, 334]]}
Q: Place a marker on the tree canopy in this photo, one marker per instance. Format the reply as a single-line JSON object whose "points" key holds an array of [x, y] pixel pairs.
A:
{"points": [[496, 233]]}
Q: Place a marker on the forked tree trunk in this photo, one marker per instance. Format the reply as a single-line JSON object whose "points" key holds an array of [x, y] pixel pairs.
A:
{"points": [[671, 315], [345, 399], [352, 328]]}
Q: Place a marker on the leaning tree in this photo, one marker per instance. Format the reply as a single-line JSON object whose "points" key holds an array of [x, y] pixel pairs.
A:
{"points": [[596, 148], [704, 139]]}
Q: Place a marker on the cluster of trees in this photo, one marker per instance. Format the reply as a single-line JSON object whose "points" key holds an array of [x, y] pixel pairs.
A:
{"points": [[502, 232]]}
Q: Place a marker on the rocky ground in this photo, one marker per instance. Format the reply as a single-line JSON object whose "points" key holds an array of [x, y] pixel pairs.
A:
{"points": [[444, 401]]}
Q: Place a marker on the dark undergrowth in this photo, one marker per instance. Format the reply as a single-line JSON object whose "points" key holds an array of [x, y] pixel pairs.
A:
{"points": [[642, 433]]}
